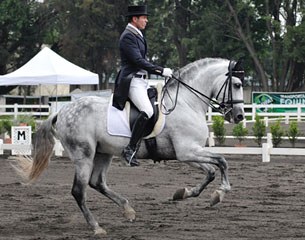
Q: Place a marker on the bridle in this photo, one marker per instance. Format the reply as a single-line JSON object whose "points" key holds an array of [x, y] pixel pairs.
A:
{"points": [[223, 107], [232, 72]]}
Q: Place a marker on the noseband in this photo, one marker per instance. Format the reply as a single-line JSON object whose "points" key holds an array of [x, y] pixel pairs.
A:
{"points": [[221, 107]]}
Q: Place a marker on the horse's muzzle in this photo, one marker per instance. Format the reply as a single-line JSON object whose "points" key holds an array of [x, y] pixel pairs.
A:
{"points": [[236, 115], [238, 118]]}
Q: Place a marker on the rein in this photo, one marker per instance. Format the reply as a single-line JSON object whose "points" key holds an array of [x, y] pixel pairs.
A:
{"points": [[223, 107]]}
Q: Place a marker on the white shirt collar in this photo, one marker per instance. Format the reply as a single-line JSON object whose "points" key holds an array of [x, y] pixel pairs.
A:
{"points": [[138, 31]]}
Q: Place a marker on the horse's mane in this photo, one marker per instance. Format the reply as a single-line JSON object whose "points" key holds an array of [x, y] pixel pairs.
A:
{"points": [[188, 72], [201, 63]]}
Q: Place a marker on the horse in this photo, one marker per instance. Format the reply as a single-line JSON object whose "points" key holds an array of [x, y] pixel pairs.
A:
{"points": [[81, 127]]}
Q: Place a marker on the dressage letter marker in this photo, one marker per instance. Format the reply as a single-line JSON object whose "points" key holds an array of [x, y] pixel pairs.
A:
{"points": [[23, 136]]}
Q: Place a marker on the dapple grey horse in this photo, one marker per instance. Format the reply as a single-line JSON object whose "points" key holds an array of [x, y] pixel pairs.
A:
{"points": [[81, 127]]}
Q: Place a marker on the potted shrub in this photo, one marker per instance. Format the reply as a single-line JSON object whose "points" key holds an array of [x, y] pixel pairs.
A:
{"points": [[259, 130], [8, 122], [293, 132], [25, 120], [219, 129], [7, 127], [277, 133], [240, 132], [2, 129]]}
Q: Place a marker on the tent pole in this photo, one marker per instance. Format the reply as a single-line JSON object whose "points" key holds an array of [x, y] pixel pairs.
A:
{"points": [[40, 101], [56, 97]]}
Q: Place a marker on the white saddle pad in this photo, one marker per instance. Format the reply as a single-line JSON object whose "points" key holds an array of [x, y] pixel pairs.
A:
{"points": [[117, 123]]}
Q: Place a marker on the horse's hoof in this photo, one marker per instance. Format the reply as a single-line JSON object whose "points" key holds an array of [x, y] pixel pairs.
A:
{"points": [[100, 231], [179, 194], [216, 197], [130, 214]]}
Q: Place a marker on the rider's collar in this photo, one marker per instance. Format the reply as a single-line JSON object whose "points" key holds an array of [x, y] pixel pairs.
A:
{"points": [[136, 29]]}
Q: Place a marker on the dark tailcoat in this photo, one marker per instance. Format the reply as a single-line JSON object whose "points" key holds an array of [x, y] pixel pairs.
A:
{"points": [[133, 50]]}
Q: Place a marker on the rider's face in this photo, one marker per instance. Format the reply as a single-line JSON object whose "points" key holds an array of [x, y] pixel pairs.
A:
{"points": [[140, 22]]}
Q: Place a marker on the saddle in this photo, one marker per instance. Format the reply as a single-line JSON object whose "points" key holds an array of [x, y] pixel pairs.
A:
{"points": [[120, 122]]}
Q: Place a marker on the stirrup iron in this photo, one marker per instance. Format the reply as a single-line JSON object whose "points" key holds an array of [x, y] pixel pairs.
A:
{"points": [[133, 154]]}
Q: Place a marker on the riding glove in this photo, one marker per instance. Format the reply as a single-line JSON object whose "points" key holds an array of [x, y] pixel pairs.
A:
{"points": [[167, 72]]}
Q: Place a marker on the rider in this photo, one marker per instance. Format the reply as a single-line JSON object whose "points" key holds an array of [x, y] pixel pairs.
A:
{"points": [[131, 82]]}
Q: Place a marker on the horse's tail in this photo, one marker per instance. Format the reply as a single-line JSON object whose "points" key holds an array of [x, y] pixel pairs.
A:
{"points": [[30, 168]]}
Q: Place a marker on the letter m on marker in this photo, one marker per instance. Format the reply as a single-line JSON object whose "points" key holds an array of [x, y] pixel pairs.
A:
{"points": [[21, 134]]}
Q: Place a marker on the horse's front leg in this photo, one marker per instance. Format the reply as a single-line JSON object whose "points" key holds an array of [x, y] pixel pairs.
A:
{"points": [[218, 195], [195, 191], [202, 158]]}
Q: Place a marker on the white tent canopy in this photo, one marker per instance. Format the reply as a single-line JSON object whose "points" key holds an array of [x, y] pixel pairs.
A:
{"points": [[47, 67]]}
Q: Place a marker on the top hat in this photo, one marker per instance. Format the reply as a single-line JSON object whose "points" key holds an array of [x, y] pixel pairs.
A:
{"points": [[137, 11]]}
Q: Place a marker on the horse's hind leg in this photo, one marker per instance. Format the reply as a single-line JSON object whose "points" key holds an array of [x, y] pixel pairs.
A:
{"points": [[99, 183], [82, 175]]}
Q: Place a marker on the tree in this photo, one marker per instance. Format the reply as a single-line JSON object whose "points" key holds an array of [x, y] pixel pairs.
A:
{"points": [[280, 58], [269, 35], [162, 49], [22, 29], [89, 33], [185, 31]]}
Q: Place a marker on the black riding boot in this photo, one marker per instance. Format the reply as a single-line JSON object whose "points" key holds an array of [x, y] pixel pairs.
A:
{"points": [[130, 151]]}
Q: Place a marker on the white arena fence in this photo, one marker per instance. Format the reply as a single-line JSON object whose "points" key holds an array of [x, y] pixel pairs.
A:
{"points": [[266, 150], [38, 110], [250, 112], [16, 110], [58, 148]]}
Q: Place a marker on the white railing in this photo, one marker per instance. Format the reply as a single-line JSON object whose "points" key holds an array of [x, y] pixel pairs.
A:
{"points": [[266, 150], [16, 110], [250, 111], [211, 138], [58, 148]]}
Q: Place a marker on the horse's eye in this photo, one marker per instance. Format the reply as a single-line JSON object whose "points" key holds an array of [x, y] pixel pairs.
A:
{"points": [[237, 85]]}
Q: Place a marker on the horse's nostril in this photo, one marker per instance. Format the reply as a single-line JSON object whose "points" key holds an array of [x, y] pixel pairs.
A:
{"points": [[240, 117]]}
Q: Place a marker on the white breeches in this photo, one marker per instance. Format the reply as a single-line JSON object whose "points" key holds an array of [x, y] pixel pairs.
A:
{"points": [[138, 95]]}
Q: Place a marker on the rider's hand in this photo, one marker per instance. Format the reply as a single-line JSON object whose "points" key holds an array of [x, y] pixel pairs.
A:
{"points": [[167, 72]]}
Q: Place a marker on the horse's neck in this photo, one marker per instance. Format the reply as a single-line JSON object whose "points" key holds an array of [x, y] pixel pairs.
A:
{"points": [[204, 77], [202, 83]]}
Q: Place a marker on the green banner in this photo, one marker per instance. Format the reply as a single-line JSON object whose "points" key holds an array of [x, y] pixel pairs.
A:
{"points": [[267, 98]]}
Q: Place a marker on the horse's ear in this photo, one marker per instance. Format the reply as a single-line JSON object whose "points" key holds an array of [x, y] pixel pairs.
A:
{"points": [[238, 70], [238, 65]]}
